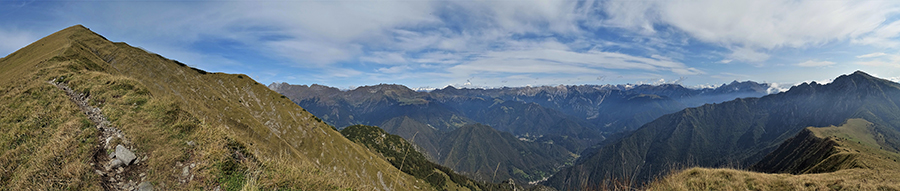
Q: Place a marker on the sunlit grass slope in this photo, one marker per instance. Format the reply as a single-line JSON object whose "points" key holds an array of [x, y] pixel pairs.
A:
{"points": [[233, 132], [857, 155]]}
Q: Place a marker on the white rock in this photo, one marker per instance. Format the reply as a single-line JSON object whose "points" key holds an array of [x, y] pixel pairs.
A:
{"points": [[124, 154], [185, 171], [115, 163]]}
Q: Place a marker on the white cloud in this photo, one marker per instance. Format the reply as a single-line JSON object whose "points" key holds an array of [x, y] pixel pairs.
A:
{"points": [[883, 36], [439, 58], [563, 61], [893, 63], [812, 63], [748, 55], [872, 55], [755, 25], [393, 69], [646, 38], [879, 59], [385, 58], [894, 79], [305, 52]]}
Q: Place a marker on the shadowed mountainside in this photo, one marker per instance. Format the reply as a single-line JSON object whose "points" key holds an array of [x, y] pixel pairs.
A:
{"points": [[402, 155]]}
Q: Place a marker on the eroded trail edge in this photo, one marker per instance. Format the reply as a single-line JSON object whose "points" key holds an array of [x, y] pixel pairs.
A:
{"points": [[119, 168]]}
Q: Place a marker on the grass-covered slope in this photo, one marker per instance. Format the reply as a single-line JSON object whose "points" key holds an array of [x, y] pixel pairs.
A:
{"points": [[855, 144], [403, 155], [731, 179], [737, 133], [196, 130], [478, 151], [857, 155], [484, 153], [425, 138]]}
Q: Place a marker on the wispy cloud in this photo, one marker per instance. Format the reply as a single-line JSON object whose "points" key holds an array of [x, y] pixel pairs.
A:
{"points": [[564, 61], [872, 55], [813, 63], [879, 59], [748, 26], [883, 36]]}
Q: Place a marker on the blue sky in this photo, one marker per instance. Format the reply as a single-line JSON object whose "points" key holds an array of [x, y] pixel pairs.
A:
{"points": [[346, 43]]}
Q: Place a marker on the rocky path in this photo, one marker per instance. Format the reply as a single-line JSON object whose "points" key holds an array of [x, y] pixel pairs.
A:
{"points": [[119, 168]]}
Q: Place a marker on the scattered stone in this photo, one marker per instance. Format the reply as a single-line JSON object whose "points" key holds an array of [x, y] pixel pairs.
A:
{"points": [[190, 143], [111, 179], [112, 155], [185, 171], [142, 175], [120, 170], [99, 172], [145, 186], [115, 163], [124, 154]]}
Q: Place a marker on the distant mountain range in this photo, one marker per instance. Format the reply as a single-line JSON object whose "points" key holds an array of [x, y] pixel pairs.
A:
{"points": [[737, 133], [565, 119]]}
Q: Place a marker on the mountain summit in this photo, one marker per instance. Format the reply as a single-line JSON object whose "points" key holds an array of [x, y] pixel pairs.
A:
{"points": [[83, 113]]}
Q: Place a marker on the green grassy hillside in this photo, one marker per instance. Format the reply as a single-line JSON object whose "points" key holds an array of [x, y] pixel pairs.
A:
{"points": [[479, 151], [484, 153], [857, 155], [402, 155], [192, 129]]}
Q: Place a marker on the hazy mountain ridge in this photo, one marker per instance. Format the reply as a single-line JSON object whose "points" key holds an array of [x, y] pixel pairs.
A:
{"points": [[583, 104], [521, 111], [739, 132]]}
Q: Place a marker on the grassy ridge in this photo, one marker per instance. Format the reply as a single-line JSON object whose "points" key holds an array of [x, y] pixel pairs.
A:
{"points": [[855, 159], [227, 130], [731, 179]]}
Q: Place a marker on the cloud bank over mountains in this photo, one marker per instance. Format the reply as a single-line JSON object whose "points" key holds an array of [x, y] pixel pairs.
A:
{"points": [[490, 43]]}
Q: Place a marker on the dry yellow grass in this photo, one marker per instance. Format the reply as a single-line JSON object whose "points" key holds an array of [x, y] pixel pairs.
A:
{"points": [[731, 179]]}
